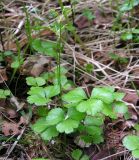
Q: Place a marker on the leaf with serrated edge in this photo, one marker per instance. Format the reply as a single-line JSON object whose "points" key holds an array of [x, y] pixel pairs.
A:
{"points": [[49, 133], [55, 116], [120, 107], [67, 126], [40, 125], [103, 94], [131, 142], [135, 153], [40, 81], [74, 96], [37, 100], [91, 106]]}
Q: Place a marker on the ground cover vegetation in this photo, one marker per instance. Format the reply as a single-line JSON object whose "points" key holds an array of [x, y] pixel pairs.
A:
{"points": [[69, 80]]}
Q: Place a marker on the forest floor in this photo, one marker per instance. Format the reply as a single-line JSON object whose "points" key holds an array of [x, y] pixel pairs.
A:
{"points": [[102, 50]]}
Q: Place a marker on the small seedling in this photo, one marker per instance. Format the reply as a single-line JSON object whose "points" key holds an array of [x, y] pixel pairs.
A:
{"points": [[4, 93]]}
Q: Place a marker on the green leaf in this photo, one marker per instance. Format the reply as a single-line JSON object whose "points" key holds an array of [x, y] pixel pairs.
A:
{"points": [[42, 111], [97, 139], [131, 142], [89, 68], [135, 30], [84, 157], [67, 126], [74, 96], [126, 36], [63, 70], [136, 127], [93, 130], [118, 96], [40, 125], [37, 100], [128, 5], [63, 80], [55, 116], [135, 153], [120, 107], [108, 111], [40, 81], [45, 47], [104, 94], [8, 53], [49, 133], [96, 121], [91, 106], [4, 93], [15, 64], [76, 154], [52, 91], [31, 81], [74, 114], [37, 91]]}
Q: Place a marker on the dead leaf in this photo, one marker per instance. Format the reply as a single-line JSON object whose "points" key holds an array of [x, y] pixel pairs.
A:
{"points": [[82, 22], [3, 75], [131, 97], [35, 65], [9, 128], [11, 112], [103, 18]]}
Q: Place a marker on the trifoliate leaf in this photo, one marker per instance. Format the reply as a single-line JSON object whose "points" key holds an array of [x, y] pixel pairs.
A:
{"points": [[91, 106], [95, 121], [103, 94], [49, 133], [52, 91], [40, 81], [74, 96], [67, 126], [76, 154], [40, 125], [37, 100], [120, 107], [118, 96], [74, 114], [131, 142], [55, 116], [135, 153]]}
